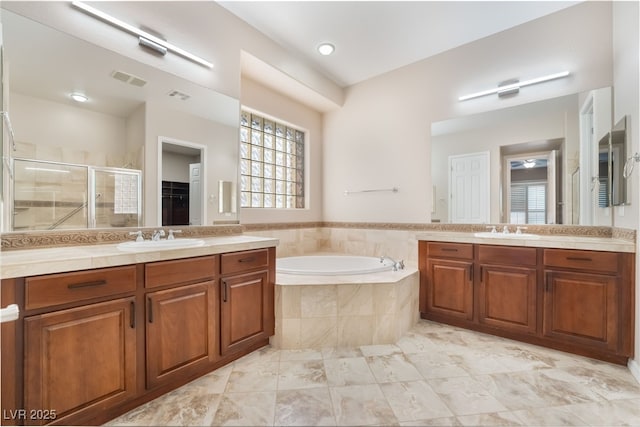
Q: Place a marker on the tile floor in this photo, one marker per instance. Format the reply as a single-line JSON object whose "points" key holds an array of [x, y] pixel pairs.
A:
{"points": [[434, 375]]}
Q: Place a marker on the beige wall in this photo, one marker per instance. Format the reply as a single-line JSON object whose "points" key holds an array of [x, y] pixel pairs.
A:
{"points": [[380, 138], [175, 167], [221, 142], [491, 130], [203, 27], [262, 99]]}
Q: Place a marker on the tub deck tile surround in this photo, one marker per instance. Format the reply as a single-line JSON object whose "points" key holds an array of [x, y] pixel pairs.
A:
{"points": [[315, 312]]}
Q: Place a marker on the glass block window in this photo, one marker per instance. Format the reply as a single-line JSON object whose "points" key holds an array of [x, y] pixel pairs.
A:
{"points": [[271, 163]]}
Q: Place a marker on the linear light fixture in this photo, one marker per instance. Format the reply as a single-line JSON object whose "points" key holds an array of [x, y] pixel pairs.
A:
{"points": [[514, 87], [142, 35], [46, 170]]}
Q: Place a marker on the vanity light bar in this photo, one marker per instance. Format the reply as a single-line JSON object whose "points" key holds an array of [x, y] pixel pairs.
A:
{"points": [[140, 33], [514, 86]]}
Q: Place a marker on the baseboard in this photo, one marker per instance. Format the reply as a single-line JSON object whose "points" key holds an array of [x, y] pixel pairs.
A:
{"points": [[634, 367]]}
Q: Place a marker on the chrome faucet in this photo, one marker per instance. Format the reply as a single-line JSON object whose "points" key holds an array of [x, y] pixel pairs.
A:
{"points": [[138, 235], [505, 230], [519, 229], [397, 265], [157, 234], [171, 234]]}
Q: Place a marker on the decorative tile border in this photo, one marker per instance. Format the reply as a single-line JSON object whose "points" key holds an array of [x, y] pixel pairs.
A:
{"points": [[552, 229], [44, 239], [48, 239]]}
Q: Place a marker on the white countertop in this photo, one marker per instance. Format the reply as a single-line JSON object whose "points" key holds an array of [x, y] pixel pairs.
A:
{"points": [[541, 241], [30, 262]]}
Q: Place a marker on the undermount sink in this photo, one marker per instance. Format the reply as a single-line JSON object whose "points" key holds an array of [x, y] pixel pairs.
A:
{"points": [[499, 235], [149, 245]]}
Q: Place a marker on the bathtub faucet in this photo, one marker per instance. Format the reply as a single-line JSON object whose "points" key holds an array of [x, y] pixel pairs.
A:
{"points": [[396, 265]]}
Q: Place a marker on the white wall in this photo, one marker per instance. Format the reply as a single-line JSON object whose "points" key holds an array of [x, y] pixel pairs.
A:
{"points": [[65, 131], [262, 99], [380, 138], [626, 98]]}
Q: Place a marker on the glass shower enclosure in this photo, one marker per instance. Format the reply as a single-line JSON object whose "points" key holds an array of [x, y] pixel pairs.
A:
{"points": [[54, 195]]}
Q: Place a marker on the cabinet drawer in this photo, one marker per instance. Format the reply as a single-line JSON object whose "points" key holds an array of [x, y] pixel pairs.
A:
{"points": [[451, 250], [243, 261], [507, 255], [54, 289], [179, 271], [585, 260]]}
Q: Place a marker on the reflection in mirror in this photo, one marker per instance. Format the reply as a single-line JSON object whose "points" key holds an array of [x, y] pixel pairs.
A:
{"points": [[604, 171], [523, 132], [129, 106], [181, 183], [618, 160], [532, 186], [227, 197], [575, 196], [55, 195]]}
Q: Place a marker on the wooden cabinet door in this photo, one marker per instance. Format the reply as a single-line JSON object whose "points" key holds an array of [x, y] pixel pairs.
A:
{"points": [[181, 337], [507, 298], [79, 360], [450, 288], [245, 310], [581, 308]]}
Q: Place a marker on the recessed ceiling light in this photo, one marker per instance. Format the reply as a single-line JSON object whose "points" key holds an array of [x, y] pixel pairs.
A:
{"points": [[326, 49], [79, 97]]}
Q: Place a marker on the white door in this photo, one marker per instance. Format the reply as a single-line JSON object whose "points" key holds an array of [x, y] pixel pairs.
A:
{"points": [[469, 188], [195, 202], [552, 203]]}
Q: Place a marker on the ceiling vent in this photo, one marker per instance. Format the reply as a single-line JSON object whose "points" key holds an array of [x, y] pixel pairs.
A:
{"points": [[177, 94], [128, 78]]}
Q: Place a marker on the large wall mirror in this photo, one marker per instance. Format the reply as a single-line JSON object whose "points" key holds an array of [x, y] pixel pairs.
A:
{"points": [[528, 164], [99, 163]]}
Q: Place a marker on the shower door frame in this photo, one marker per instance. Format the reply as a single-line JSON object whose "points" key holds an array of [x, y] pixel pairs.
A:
{"points": [[91, 191]]}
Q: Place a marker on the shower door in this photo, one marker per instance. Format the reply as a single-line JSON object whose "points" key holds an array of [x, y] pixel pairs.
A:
{"points": [[49, 195], [55, 195], [116, 198]]}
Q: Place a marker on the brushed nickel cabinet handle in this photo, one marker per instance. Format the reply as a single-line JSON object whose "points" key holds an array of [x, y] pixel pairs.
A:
{"points": [[87, 284], [449, 250], [250, 259], [150, 304], [471, 273]]}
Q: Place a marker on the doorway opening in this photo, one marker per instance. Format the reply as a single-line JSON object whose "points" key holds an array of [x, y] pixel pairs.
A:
{"points": [[181, 174], [532, 183]]}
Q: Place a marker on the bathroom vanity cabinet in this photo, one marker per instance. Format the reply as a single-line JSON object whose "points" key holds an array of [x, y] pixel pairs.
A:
{"points": [[588, 300], [578, 301], [79, 343], [181, 318], [91, 345], [247, 302]]}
